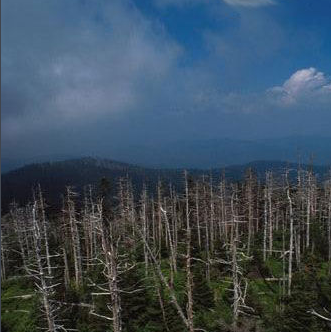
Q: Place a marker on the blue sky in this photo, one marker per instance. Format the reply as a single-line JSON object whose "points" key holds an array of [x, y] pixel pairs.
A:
{"points": [[78, 74]]}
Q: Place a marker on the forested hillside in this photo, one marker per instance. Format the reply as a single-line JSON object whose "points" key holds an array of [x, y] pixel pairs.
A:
{"points": [[55, 176], [216, 255]]}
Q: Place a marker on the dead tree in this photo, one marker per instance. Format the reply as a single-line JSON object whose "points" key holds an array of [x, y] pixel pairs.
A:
{"points": [[75, 235], [270, 219], [265, 226], [45, 290], [37, 266], [109, 243], [22, 234], [4, 251], [197, 212], [327, 189], [212, 215], [309, 207], [189, 275], [145, 225], [41, 211], [173, 254], [291, 216], [240, 284], [159, 217], [172, 294], [250, 201]]}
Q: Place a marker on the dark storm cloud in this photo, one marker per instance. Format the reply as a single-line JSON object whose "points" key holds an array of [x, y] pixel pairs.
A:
{"points": [[81, 64], [66, 66]]}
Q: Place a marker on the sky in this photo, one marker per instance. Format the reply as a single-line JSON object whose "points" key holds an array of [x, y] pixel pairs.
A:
{"points": [[85, 76]]}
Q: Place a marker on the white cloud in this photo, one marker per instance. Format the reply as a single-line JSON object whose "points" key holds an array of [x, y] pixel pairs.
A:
{"points": [[309, 85], [305, 80], [249, 3], [306, 90]]}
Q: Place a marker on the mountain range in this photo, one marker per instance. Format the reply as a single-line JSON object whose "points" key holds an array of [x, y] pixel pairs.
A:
{"points": [[197, 153], [55, 176]]}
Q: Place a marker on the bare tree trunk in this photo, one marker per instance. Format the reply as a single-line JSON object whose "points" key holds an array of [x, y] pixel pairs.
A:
{"points": [[270, 189], [44, 225], [159, 214], [189, 283], [265, 224], [233, 216], [308, 209], [175, 226], [3, 257], [173, 261], [159, 295], [172, 294], [249, 193], [283, 262], [291, 237], [236, 286], [153, 224], [75, 237], [19, 229], [44, 289], [212, 217], [329, 224], [197, 212], [110, 256], [145, 226], [116, 300], [87, 223], [223, 209], [66, 269], [131, 209], [258, 209]]}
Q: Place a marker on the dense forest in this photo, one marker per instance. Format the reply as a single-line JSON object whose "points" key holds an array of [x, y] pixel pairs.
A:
{"points": [[212, 255]]}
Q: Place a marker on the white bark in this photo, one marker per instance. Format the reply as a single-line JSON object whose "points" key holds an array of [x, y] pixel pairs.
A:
{"points": [[189, 276], [75, 237], [290, 261]]}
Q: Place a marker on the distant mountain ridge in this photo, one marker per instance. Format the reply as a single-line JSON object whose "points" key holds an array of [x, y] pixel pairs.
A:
{"points": [[200, 153], [55, 176], [220, 152]]}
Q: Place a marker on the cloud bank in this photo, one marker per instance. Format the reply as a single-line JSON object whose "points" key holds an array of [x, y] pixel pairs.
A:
{"points": [[83, 76], [97, 65]]}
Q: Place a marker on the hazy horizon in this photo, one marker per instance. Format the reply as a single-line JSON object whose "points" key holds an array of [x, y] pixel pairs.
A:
{"points": [[202, 154]]}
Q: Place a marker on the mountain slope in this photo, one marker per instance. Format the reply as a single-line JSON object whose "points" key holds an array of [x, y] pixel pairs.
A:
{"points": [[55, 176]]}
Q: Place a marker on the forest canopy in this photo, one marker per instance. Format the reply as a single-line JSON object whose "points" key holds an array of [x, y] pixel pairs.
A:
{"points": [[218, 255]]}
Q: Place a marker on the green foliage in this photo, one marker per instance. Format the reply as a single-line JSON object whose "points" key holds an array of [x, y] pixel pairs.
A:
{"points": [[18, 314], [311, 290], [134, 304], [222, 298], [274, 266]]}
